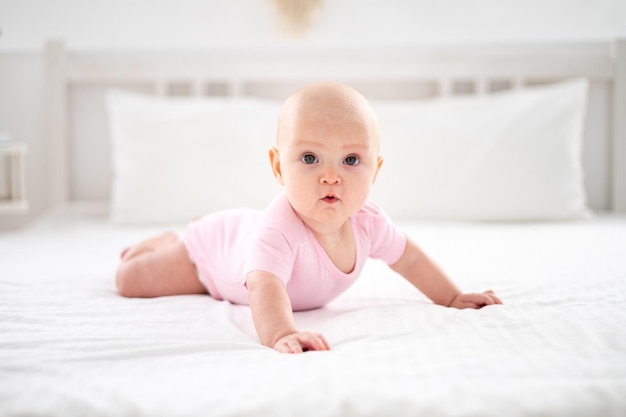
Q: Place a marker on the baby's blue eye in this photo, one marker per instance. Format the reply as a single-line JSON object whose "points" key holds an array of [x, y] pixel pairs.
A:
{"points": [[309, 159], [351, 160]]}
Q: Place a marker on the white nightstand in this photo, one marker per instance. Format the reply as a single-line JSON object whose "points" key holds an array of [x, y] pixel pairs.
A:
{"points": [[12, 192]]}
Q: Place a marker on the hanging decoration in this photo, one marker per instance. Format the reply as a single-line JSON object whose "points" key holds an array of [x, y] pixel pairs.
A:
{"points": [[298, 16]]}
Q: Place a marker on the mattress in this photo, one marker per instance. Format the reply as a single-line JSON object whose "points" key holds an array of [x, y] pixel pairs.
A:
{"points": [[70, 346]]}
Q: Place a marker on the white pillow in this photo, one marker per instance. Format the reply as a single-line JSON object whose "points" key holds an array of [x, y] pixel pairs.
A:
{"points": [[174, 159], [507, 156]]}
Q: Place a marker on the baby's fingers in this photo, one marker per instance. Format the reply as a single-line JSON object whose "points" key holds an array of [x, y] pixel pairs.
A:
{"points": [[292, 346], [493, 296], [478, 300], [475, 300], [486, 298], [314, 341], [300, 342]]}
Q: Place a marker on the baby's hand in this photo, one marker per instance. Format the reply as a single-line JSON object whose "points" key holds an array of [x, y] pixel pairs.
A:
{"points": [[486, 298], [300, 342]]}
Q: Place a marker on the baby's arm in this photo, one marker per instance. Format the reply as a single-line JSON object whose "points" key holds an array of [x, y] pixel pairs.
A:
{"points": [[426, 276], [273, 316]]}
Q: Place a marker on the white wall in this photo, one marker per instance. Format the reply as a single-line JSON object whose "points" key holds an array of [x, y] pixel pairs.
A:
{"points": [[183, 23], [130, 24]]}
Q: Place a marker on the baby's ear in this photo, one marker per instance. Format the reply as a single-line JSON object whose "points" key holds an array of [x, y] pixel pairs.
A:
{"points": [[275, 162], [379, 163]]}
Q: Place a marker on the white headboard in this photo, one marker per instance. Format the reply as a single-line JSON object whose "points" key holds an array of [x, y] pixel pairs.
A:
{"points": [[78, 145]]}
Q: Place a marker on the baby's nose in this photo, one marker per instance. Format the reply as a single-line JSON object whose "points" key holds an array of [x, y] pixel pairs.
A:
{"points": [[330, 176]]}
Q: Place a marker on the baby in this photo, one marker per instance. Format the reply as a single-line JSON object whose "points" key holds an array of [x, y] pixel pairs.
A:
{"points": [[310, 244]]}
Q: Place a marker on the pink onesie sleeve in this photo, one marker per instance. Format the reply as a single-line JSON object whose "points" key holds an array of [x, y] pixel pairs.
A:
{"points": [[270, 252], [272, 247], [387, 240]]}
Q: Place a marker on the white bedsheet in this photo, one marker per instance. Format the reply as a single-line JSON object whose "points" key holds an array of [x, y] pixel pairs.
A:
{"points": [[69, 346]]}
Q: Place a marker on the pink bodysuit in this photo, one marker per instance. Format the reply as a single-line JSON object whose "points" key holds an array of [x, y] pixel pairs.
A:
{"points": [[226, 245]]}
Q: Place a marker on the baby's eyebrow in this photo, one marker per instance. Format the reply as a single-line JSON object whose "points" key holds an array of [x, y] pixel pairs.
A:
{"points": [[314, 143], [307, 143], [357, 145]]}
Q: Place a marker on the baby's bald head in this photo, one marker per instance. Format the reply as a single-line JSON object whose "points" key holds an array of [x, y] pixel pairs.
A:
{"points": [[326, 104]]}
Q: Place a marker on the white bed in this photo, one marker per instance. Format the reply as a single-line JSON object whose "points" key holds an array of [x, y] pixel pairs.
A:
{"points": [[557, 347]]}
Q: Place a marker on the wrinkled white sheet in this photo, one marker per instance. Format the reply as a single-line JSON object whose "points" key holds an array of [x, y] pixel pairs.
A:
{"points": [[69, 346]]}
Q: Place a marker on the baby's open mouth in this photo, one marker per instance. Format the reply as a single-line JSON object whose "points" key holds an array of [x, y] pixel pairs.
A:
{"points": [[330, 199]]}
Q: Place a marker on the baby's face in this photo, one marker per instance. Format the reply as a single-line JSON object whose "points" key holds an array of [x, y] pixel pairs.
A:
{"points": [[327, 156]]}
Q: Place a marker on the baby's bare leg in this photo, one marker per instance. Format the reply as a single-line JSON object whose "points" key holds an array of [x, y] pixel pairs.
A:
{"points": [[149, 245], [156, 267]]}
